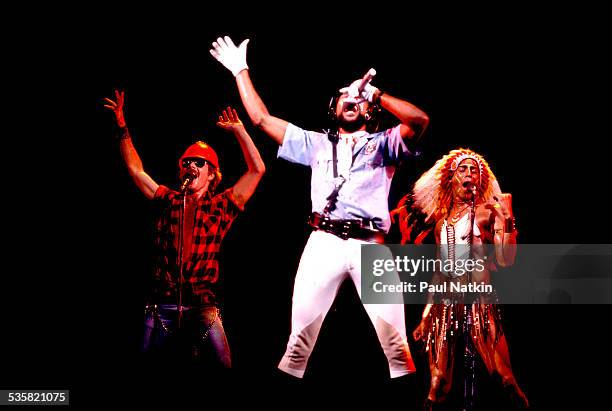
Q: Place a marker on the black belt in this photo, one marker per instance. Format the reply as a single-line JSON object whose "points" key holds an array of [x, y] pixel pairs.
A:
{"points": [[358, 229]]}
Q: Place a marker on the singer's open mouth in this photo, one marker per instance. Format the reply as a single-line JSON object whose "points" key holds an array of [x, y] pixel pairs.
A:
{"points": [[349, 107]]}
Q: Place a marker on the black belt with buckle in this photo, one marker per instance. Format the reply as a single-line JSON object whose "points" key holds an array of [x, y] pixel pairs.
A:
{"points": [[358, 229]]}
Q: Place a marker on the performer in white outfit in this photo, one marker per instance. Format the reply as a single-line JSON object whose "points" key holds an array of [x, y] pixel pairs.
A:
{"points": [[352, 167]]}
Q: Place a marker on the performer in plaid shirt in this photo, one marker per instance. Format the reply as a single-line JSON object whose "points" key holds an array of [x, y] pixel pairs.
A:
{"points": [[186, 309]]}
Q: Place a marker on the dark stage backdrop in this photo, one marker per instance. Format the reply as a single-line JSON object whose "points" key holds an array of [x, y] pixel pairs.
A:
{"points": [[518, 86]]}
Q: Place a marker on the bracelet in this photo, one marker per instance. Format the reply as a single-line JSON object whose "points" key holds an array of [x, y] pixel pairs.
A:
{"points": [[509, 225], [380, 93], [123, 134]]}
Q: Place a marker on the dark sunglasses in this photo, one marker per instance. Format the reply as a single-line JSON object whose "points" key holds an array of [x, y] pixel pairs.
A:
{"points": [[199, 162]]}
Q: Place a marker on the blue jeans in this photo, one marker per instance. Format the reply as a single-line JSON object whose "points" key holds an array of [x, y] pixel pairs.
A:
{"points": [[200, 328]]}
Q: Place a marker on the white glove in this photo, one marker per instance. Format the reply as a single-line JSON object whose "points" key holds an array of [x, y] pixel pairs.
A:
{"points": [[232, 57], [368, 93]]}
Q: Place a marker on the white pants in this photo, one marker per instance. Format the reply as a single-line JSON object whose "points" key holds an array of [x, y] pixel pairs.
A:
{"points": [[326, 262]]}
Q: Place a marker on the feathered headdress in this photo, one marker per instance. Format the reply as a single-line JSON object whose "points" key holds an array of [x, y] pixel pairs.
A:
{"points": [[432, 195]]}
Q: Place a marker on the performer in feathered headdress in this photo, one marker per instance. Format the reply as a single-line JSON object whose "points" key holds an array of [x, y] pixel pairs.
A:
{"points": [[460, 200]]}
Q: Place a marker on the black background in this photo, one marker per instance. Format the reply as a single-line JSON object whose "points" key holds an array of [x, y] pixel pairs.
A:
{"points": [[518, 85]]}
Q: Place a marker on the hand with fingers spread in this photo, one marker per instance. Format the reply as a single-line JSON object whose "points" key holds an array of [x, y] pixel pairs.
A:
{"points": [[367, 94], [229, 120], [117, 107], [130, 156], [232, 57]]}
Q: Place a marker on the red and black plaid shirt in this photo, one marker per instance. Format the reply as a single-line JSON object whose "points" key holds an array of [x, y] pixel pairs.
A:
{"points": [[213, 218]]}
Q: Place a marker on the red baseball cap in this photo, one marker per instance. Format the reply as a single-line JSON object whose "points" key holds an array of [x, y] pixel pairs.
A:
{"points": [[201, 150]]}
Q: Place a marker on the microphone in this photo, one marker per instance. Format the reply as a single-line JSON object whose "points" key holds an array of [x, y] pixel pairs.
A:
{"points": [[366, 79], [470, 186], [188, 178]]}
